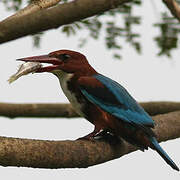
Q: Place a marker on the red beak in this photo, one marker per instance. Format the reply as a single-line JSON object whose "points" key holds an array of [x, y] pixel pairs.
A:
{"points": [[44, 59]]}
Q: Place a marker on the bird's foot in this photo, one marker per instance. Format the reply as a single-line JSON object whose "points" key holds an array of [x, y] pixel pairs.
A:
{"points": [[94, 135], [103, 135]]}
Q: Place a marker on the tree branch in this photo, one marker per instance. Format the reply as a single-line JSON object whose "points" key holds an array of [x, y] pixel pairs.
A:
{"points": [[79, 153], [45, 110], [55, 110], [55, 17], [34, 6], [174, 7], [162, 107]]}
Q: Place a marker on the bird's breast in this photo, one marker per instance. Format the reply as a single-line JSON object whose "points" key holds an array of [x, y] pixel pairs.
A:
{"points": [[71, 94]]}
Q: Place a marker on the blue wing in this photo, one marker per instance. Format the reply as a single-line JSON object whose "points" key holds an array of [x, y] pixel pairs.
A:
{"points": [[114, 99]]}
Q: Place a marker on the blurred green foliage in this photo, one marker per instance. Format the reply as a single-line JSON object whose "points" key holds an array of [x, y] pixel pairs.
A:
{"points": [[116, 27], [114, 31], [167, 40]]}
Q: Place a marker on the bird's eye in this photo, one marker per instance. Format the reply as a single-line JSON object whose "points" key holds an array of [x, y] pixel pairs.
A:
{"points": [[64, 57]]}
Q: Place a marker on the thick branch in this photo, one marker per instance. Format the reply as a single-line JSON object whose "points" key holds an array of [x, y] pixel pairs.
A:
{"points": [[79, 153], [65, 110], [35, 5], [54, 17], [174, 7]]}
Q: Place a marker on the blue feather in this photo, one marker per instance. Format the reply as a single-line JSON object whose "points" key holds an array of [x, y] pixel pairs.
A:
{"points": [[163, 154], [127, 110]]}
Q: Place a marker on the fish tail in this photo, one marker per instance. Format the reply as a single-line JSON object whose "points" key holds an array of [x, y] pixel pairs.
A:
{"points": [[12, 79]]}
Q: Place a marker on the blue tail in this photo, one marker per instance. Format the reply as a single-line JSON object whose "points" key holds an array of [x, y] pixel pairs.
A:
{"points": [[163, 154]]}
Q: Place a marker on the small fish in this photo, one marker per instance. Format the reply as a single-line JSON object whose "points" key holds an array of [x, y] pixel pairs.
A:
{"points": [[24, 69]]}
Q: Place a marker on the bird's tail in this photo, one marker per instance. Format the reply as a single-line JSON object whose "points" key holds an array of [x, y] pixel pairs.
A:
{"points": [[163, 154]]}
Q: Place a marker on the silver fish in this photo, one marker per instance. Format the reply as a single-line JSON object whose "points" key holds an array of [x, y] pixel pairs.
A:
{"points": [[24, 69]]}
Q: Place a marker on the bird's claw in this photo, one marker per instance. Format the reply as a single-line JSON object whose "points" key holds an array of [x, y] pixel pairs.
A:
{"points": [[94, 135]]}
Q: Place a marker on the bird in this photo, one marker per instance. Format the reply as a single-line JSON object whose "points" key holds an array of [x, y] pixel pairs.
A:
{"points": [[102, 101]]}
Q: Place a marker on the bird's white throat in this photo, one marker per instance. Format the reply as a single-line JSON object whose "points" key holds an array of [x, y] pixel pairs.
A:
{"points": [[64, 78]]}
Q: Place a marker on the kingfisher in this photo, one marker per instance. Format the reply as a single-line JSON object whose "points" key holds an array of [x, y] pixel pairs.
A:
{"points": [[101, 100]]}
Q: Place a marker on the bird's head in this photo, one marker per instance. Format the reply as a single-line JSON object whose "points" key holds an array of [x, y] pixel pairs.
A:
{"points": [[62, 61]]}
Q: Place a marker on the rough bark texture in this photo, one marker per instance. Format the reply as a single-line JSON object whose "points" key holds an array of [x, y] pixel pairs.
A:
{"points": [[79, 153], [34, 6], [174, 7], [65, 110], [62, 14]]}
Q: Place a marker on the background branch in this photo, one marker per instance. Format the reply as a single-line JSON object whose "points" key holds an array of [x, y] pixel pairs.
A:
{"points": [[36, 110], [79, 153], [65, 110], [174, 7], [62, 14]]}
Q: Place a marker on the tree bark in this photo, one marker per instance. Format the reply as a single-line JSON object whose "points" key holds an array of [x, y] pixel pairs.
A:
{"points": [[54, 17], [79, 153], [56, 110], [34, 6]]}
